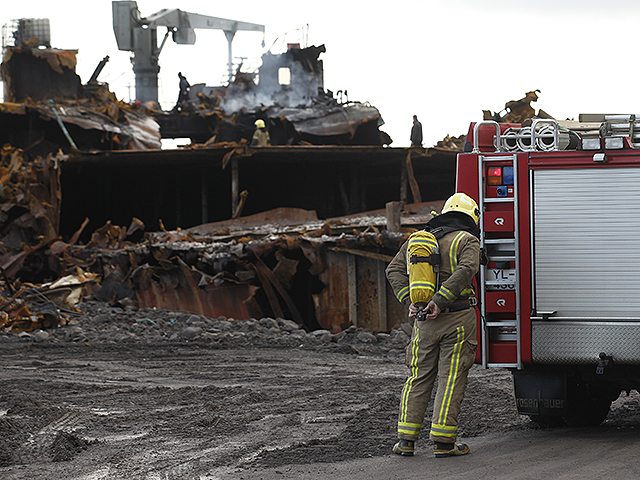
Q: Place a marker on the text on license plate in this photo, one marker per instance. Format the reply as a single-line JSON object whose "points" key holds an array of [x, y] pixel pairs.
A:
{"points": [[501, 278]]}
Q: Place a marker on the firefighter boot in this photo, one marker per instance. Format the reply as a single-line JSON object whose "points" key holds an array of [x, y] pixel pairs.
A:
{"points": [[450, 449], [404, 447]]}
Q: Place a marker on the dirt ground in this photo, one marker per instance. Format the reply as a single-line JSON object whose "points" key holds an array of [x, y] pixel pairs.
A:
{"points": [[165, 395]]}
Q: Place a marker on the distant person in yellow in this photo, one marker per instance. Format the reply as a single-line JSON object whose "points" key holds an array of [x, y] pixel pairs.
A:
{"points": [[261, 135]]}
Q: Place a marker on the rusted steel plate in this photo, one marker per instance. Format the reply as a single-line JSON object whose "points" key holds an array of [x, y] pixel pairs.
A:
{"points": [[332, 303], [279, 216], [262, 269], [210, 301], [371, 294]]}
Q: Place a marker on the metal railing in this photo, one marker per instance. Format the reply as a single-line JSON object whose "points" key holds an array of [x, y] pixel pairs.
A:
{"points": [[537, 137]]}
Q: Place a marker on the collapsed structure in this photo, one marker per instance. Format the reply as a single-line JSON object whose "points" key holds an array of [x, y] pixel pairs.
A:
{"points": [[280, 263], [295, 106], [220, 227]]}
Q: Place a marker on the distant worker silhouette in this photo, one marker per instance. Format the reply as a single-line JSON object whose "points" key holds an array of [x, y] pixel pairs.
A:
{"points": [[416, 133], [183, 96]]}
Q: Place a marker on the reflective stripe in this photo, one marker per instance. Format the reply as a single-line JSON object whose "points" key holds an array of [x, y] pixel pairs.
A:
{"points": [[402, 294], [453, 374], [409, 428], [453, 251], [425, 241], [444, 430], [446, 293], [453, 262], [422, 285], [404, 407]]}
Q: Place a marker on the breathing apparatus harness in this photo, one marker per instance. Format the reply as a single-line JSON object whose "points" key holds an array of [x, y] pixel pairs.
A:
{"points": [[423, 255]]}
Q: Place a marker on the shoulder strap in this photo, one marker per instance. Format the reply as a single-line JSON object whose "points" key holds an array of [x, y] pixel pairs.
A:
{"points": [[442, 230]]}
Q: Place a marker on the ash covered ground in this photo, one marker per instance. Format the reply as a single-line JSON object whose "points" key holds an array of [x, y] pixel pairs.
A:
{"points": [[157, 394]]}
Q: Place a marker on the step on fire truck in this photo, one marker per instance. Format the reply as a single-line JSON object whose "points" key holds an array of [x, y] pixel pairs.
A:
{"points": [[559, 300]]}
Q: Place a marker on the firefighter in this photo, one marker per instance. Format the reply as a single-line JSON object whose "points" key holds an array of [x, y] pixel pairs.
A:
{"points": [[443, 342], [261, 134]]}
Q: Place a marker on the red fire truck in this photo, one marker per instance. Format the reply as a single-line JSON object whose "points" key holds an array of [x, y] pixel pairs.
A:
{"points": [[559, 300]]}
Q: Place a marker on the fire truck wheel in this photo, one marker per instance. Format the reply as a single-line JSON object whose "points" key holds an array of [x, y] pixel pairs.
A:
{"points": [[547, 421], [591, 412]]}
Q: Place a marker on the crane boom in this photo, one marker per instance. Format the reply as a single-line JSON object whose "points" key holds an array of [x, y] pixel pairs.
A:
{"points": [[139, 35], [177, 18]]}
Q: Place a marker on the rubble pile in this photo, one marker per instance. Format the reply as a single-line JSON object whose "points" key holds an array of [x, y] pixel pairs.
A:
{"points": [[455, 144], [249, 272], [30, 195], [39, 284], [98, 323], [47, 108], [324, 121], [28, 308], [213, 270], [517, 111], [99, 122], [30, 251]]}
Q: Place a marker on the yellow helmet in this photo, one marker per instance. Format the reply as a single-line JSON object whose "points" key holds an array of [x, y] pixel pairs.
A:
{"points": [[259, 123], [459, 202]]}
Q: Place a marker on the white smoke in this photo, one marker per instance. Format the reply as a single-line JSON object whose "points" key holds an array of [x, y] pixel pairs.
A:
{"points": [[299, 93]]}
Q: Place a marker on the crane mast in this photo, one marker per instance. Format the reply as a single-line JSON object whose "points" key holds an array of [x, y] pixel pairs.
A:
{"points": [[139, 35]]}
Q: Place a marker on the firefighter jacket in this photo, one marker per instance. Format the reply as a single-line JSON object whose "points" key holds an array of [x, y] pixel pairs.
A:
{"points": [[261, 137], [460, 260]]}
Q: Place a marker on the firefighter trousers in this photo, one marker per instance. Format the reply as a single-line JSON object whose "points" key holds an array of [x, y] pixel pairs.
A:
{"points": [[443, 348]]}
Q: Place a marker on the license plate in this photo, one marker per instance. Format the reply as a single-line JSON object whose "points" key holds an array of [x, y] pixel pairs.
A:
{"points": [[501, 278]]}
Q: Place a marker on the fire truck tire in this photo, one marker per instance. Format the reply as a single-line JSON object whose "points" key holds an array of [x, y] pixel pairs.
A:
{"points": [[547, 421], [591, 412]]}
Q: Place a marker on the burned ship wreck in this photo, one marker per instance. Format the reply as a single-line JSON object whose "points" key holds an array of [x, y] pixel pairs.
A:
{"points": [[300, 229]]}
